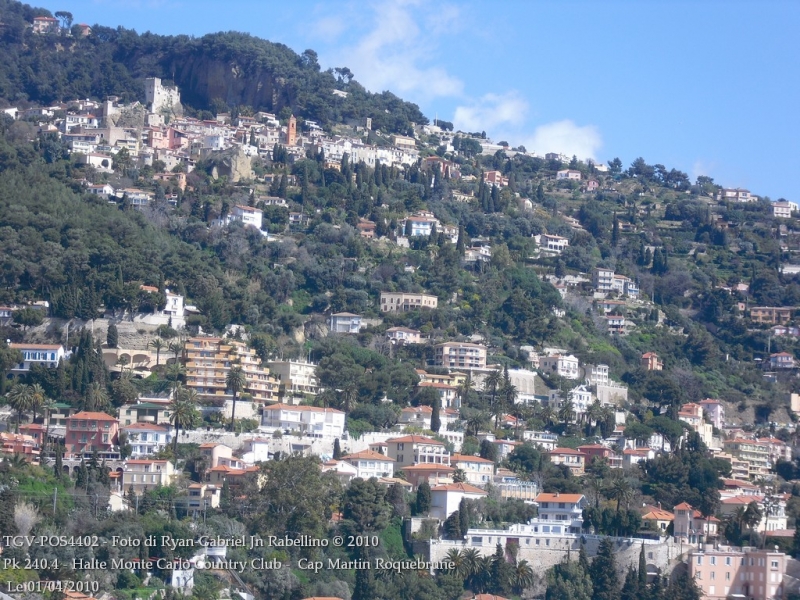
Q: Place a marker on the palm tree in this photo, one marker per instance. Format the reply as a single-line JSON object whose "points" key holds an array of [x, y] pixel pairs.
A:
{"points": [[176, 348], [183, 414], [523, 576], [157, 344], [455, 558], [470, 560], [508, 393], [491, 384], [20, 398], [464, 390], [236, 381], [476, 422], [567, 412], [96, 397], [38, 398], [547, 415], [174, 374]]}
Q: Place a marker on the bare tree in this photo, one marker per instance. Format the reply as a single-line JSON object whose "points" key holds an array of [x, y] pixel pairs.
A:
{"points": [[25, 517]]}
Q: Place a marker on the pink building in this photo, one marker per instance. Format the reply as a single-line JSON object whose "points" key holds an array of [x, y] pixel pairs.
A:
{"points": [[723, 572], [89, 432]]}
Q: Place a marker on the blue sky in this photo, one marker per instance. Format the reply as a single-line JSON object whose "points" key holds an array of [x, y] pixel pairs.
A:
{"points": [[708, 87]]}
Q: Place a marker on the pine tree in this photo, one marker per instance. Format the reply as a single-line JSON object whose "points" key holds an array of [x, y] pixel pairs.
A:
{"points": [[112, 336], [461, 243], [797, 537], [337, 450], [604, 572], [615, 231], [283, 186], [452, 527], [59, 464]]}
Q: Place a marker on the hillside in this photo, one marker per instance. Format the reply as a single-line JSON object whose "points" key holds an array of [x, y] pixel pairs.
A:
{"points": [[563, 343], [223, 71]]}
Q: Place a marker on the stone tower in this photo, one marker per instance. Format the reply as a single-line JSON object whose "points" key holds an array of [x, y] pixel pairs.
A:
{"points": [[291, 132]]}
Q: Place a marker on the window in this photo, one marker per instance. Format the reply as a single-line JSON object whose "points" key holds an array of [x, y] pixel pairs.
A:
{"points": [[774, 564], [727, 561], [699, 560], [713, 575], [713, 560], [727, 576]]}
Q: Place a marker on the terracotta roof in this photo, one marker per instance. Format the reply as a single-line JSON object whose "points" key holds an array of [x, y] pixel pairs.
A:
{"points": [[683, 506], [557, 497], [469, 458], [16, 346], [659, 515], [738, 483], [416, 439], [570, 451], [210, 445], [147, 426], [368, 454], [741, 500], [418, 409], [429, 467], [95, 416], [459, 487], [144, 461]]}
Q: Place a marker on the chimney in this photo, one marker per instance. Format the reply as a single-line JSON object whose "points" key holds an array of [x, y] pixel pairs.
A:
{"points": [[556, 494], [659, 506]]}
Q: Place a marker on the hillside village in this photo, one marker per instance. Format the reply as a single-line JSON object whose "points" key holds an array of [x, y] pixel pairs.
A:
{"points": [[516, 361]]}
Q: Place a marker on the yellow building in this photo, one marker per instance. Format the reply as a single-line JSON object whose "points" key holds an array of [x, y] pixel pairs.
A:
{"points": [[208, 361]]}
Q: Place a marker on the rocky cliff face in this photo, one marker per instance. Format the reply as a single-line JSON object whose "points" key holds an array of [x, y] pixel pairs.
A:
{"points": [[202, 80]]}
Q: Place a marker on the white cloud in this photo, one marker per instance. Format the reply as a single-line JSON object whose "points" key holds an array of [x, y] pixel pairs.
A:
{"points": [[394, 53], [328, 28], [567, 138], [491, 111]]}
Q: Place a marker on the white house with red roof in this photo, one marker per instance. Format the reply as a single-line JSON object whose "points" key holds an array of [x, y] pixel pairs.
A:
{"points": [[773, 510], [633, 456], [147, 439], [370, 464], [566, 509], [478, 471], [446, 498], [44, 355]]}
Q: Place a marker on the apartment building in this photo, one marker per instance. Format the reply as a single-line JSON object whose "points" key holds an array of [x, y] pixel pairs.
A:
{"points": [[478, 471], [208, 361], [369, 463], [773, 510], [784, 210], [726, 572], [755, 453], [714, 412], [575, 460], [141, 474], [558, 364], [562, 508], [306, 420], [551, 244], [345, 322], [693, 415], [596, 374], [296, 378], [460, 355], [417, 449], [92, 432], [772, 315], [405, 301]]}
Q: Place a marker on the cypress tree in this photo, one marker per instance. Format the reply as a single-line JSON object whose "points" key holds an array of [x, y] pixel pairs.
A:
{"points": [[436, 421], [463, 516], [631, 589], [642, 569], [337, 450], [423, 498], [604, 572], [112, 336]]}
